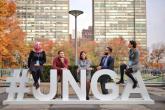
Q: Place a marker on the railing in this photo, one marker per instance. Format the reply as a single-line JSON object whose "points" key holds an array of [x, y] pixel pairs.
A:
{"points": [[153, 76], [148, 76], [4, 73]]}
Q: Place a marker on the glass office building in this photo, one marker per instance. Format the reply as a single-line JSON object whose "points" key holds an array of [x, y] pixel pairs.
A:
{"points": [[46, 18], [120, 18]]}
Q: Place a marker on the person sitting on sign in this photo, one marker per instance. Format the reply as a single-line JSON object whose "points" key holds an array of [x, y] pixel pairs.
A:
{"points": [[84, 63], [133, 63], [37, 58], [107, 62]]}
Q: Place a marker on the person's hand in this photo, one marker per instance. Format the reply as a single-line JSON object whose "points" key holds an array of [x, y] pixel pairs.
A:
{"points": [[89, 68], [64, 68], [62, 60], [99, 68], [36, 65], [78, 71]]}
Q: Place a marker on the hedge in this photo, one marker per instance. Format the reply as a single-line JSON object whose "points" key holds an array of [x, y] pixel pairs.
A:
{"points": [[45, 77]]}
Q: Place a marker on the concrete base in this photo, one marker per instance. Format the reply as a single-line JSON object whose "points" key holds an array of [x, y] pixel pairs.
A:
{"points": [[76, 101]]}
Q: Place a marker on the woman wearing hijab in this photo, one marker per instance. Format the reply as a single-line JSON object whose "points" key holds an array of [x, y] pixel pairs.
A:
{"points": [[37, 58]]}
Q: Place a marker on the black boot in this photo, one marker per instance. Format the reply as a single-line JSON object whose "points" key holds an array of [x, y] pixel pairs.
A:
{"points": [[34, 84], [87, 97], [133, 79], [121, 81], [37, 85], [135, 85], [122, 68]]}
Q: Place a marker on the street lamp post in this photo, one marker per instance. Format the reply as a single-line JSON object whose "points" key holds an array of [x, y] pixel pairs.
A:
{"points": [[76, 13]]}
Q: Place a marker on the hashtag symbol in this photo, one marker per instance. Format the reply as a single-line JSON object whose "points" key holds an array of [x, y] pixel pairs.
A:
{"points": [[17, 87]]}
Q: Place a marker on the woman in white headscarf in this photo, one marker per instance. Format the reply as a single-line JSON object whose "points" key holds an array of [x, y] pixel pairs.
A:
{"points": [[37, 58]]}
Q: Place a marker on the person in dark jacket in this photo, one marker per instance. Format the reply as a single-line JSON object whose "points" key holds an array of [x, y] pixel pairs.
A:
{"points": [[37, 58], [107, 62]]}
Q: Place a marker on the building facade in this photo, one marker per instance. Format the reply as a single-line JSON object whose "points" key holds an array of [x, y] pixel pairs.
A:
{"points": [[46, 18], [120, 18], [87, 33]]}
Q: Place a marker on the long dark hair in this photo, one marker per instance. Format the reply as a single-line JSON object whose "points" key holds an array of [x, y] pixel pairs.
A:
{"points": [[81, 55]]}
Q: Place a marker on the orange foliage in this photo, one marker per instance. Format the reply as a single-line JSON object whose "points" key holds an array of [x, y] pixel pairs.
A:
{"points": [[11, 35], [7, 8], [120, 50], [90, 48]]}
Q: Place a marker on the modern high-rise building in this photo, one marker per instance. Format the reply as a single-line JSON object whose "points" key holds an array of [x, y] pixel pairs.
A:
{"points": [[46, 18], [120, 18]]}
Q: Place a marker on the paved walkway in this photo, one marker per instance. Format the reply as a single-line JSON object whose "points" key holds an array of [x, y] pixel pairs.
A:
{"points": [[156, 93]]}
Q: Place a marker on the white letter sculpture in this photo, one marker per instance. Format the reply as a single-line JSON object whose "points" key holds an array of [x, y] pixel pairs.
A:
{"points": [[68, 78], [53, 88], [113, 87], [18, 88], [141, 89]]}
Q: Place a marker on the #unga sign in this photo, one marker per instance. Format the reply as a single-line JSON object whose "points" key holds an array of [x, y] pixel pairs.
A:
{"points": [[18, 88]]}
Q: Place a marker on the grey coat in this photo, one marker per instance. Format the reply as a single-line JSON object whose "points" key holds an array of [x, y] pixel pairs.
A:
{"points": [[134, 60]]}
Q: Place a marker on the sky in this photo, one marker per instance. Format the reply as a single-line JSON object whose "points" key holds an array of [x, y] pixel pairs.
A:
{"points": [[84, 20], [155, 18]]}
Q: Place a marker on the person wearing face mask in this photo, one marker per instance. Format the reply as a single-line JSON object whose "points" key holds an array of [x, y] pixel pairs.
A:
{"points": [[107, 62], [59, 63], [37, 58]]}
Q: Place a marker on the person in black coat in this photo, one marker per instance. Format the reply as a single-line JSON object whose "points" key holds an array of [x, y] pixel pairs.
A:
{"points": [[37, 58], [107, 62]]}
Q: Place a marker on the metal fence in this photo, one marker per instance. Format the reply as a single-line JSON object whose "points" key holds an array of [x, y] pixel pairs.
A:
{"points": [[4, 73], [149, 76]]}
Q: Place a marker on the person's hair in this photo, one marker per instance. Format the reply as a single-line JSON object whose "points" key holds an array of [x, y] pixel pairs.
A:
{"points": [[60, 51], [109, 49], [81, 55], [133, 43]]}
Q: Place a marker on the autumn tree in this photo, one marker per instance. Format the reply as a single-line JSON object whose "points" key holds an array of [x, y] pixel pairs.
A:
{"points": [[47, 46], [68, 49], [89, 47], [143, 58], [157, 54], [120, 50], [11, 35]]}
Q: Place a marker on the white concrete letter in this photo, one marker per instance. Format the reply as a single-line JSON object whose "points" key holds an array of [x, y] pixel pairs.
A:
{"points": [[53, 88], [113, 87], [141, 89], [68, 78]]}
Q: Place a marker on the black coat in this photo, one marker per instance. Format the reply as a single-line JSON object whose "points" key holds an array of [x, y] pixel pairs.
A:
{"points": [[33, 57]]}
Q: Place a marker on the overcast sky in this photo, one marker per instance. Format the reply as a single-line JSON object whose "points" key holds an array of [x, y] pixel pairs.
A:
{"points": [[155, 18]]}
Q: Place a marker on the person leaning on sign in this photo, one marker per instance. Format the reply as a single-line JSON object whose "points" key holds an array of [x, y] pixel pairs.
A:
{"points": [[85, 63], [37, 58], [133, 64], [60, 62], [107, 62]]}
